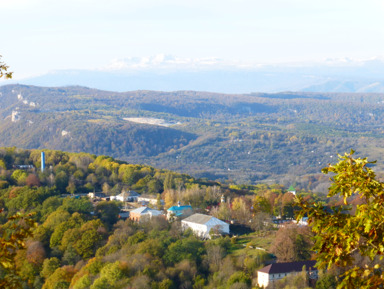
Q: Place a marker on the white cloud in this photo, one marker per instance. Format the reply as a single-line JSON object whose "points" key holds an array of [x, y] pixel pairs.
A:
{"points": [[162, 61], [169, 62]]}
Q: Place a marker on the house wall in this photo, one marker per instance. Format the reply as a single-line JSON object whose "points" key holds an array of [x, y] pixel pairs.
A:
{"points": [[265, 279], [262, 279], [198, 229], [215, 223], [149, 200], [203, 230], [134, 217]]}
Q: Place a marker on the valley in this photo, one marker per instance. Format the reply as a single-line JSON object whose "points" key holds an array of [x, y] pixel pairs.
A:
{"points": [[243, 138]]}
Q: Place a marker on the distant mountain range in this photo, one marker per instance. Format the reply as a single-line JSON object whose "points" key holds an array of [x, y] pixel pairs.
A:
{"points": [[167, 73]]}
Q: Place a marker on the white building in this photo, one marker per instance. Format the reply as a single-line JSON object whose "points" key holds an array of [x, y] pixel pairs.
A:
{"points": [[142, 213], [149, 199], [130, 196], [201, 225], [269, 274]]}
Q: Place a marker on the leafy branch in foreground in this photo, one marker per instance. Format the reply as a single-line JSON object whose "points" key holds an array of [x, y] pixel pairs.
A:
{"points": [[12, 238], [344, 236], [4, 70]]}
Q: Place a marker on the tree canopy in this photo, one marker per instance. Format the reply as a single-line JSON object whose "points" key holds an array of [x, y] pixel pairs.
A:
{"points": [[348, 237]]}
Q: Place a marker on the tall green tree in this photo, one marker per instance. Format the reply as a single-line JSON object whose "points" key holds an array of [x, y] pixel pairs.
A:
{"points": [[342, 235]]}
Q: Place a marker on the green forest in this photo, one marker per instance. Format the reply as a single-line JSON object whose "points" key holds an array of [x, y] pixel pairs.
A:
{"points": [[59, 238], [247, 139]]}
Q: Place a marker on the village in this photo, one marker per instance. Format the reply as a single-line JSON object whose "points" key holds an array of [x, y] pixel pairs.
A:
{"points": [[144, 207], [254, 226]]}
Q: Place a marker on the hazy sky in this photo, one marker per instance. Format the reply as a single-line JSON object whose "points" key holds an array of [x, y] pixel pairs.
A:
{"points": [[42, 35]]}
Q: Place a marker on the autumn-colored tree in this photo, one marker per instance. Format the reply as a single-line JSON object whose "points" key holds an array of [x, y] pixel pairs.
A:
{"points": [[35, 252], [4, 70], [241, 210], [292, 243], [260, 221], [261, 205], [341, 236], [222, 212], [287, 203], [12, 238], [61, 278], [170, 198], [32, 180]]}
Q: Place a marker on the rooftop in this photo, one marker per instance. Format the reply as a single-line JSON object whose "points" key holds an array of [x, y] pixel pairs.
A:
{"points": [[198, 218], [179, 208], [130, 194], [291, 189], [140, 210], [276, 268]]}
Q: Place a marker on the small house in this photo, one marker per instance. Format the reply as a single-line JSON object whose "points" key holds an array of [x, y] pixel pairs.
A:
{"points": [[149, 199], [98, 196], [143, 213], [130, 196], [202, 225], [276, 271]]}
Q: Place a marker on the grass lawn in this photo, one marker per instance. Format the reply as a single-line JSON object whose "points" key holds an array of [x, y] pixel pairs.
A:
{"points": [[246, 244]]}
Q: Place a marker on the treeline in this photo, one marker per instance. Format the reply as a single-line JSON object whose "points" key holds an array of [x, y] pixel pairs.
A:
{"points": [[83, 173]]}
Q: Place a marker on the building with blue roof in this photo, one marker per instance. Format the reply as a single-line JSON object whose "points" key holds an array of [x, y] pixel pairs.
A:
{"points": [[179, 211]]}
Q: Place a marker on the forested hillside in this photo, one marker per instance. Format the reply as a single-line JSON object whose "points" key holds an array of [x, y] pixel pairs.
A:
{"points": [[282, 137], [72, 241]]}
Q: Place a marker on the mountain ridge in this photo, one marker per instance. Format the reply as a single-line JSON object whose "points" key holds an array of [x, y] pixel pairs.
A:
{"points": [[246, 138]]}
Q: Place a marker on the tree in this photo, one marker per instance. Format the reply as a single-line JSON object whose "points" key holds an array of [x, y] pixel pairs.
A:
{"points": [[61, 278], [341, 235], [240, 210], [190, 248], [261, 204], [108, 212], [32, 180], [4, 70], [49, 266], [292, 243], [295, 281], [19, 176], [260, 221], [158, 202], [61, 181], [12, 238]]}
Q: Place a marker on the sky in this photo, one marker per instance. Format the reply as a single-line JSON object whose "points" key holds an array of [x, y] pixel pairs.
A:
{"points": [[39, 36]]}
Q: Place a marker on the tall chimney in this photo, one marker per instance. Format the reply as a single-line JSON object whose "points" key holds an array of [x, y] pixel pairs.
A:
{"points": [[42, 161]]}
